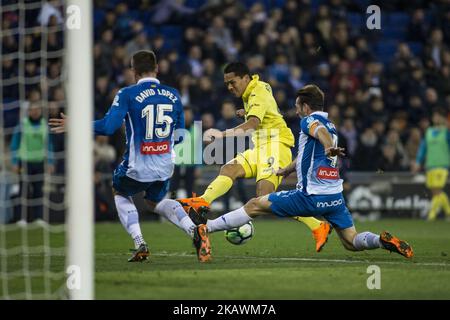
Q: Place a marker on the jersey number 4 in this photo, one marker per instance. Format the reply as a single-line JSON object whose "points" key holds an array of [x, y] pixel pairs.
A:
{"points": [[161, 119]]}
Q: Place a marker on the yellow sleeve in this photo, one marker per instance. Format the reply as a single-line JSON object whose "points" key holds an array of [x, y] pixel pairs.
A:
{"points": [[257, 104]]}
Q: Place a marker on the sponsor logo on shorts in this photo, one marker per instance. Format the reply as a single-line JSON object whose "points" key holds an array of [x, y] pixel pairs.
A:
{"points": [[327, 204], [328, 173], [149, 148]]}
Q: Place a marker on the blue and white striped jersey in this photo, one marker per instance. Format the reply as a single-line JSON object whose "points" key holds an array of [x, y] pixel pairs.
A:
{"points": [[151, 112], [317, 174]]}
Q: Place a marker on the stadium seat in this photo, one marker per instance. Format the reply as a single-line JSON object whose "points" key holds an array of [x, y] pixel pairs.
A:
{"points": [[385, 50], [194, 3], [416, 47], [355, 19], [279, 3], [171, 31], [151, 31], [394, 32], [398, 19], [99, 15], [11, 113]]}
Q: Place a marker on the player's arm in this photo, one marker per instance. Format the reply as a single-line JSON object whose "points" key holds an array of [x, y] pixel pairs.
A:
{"points": [[256, 111], [252, 123], [243, 129], [286, 171], [107, 126], [315, 129], [114, 117], [326, 140]]}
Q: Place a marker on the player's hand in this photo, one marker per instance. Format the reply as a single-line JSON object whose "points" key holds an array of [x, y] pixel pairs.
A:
{"points": [[58, 125], [212, 134], [16, 169], [284, 172], [240, 113], [335, 151]]}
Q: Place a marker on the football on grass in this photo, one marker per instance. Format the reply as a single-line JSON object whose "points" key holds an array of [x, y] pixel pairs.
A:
{"points": [[240, 235]]}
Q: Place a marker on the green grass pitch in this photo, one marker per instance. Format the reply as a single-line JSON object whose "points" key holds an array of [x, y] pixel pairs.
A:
{"points": [[278, 263]]}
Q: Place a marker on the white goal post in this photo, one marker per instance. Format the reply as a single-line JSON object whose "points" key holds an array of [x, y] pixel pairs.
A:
{"points": [[80, 199]]}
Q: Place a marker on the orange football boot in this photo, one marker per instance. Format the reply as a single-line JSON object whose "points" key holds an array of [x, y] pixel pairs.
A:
{"points": [[197, 203], [321, 235], [202, 243], [394, 244]]}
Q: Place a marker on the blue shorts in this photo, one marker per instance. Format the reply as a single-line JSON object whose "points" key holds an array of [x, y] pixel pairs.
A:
{"points": [[295, 203], [154, 191]]}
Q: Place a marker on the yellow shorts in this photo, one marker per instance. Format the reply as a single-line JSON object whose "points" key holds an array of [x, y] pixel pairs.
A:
{"points": [[263, 162], [436, 178]]}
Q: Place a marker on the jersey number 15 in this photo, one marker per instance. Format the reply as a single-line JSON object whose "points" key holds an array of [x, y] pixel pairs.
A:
{"points": [[161, 119]]}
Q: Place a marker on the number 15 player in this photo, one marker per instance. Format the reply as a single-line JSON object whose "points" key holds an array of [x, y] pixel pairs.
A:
{"points": [[152, 112]]}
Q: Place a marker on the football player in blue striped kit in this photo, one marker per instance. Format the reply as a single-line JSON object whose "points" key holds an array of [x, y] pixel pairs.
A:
{"points": [[319, 187], [151, 112]]}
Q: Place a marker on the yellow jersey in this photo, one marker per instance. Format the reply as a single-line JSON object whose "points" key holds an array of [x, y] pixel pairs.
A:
{"points": [[259, 102]]}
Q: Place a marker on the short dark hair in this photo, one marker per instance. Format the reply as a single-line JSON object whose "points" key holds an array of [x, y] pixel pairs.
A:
{"points": [[144, 61], [240, 69], [312, 95]]}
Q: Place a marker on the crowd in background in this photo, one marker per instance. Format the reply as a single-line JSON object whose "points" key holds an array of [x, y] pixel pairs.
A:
{"points": [[381, 101]]}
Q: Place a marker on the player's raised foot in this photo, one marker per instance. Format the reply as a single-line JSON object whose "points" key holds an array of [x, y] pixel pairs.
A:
{"points": [[394, 244], [198, 217], [202, 244], [140, 254], [196, 202], [321, 235]]}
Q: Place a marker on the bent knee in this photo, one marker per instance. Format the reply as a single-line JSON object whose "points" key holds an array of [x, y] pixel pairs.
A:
{"points": [[252, 207], [231, 170]]}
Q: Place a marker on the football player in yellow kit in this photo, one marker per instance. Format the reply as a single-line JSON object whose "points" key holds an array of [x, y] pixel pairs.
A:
{"points": [[272, 141]]}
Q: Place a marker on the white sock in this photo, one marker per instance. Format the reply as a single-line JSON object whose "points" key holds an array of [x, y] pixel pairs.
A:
{"points": [[230, 220], [129, 218], [175, 213], [367, 241]]}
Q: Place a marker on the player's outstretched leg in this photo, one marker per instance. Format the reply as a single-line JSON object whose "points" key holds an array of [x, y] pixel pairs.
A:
{"points": [[354, 241], [320, 230], [217, 188], [129, 218], [254, 207]]}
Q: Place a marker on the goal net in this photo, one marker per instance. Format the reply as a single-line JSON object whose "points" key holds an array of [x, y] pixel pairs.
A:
{"points": [[41, 241]]}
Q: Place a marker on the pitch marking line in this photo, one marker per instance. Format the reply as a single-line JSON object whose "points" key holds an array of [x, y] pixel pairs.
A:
{"points": [[434, 264]]}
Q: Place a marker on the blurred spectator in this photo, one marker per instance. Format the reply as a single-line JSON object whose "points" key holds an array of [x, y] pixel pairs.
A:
{"points": [[418, 28], [348, 130], [367, 150], [31, 151], [104, 158], [50, 9], [434, 156], [167, 11], [139, 42]]}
